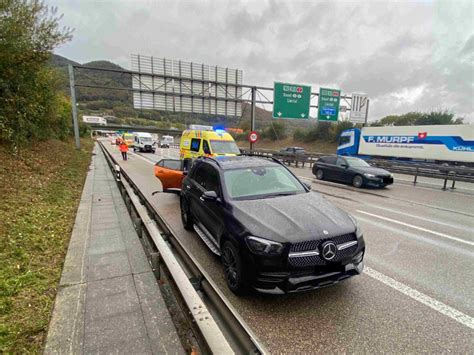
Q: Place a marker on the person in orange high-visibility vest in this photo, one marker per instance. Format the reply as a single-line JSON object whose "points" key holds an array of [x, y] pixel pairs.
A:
{"points": [[123, 149]]}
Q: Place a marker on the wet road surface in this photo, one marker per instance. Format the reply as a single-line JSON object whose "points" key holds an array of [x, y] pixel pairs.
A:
{"points": [[415, 295]]}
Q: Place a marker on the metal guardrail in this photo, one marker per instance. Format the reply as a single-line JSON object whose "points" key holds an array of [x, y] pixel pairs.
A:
{"points": [[148, 222], [436, 171], [287, 158]]}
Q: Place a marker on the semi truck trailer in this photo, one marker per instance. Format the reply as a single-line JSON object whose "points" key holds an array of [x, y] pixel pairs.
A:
{"points": [[437, 143]]}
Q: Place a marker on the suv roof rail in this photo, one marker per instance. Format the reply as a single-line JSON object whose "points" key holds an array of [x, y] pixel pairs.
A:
{"points": [[275, 160], [264, 157], [210, 158]]}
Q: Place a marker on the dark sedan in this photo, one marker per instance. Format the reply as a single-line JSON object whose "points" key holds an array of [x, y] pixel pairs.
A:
{"points": [[293, 150], [351, 170], [272, 233]]}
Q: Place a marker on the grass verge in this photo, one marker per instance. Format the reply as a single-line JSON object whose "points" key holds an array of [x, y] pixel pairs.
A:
{"points": [[40, 190]]}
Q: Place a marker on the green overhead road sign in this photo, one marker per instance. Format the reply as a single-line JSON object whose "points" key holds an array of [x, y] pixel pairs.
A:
{"points": [[328, 104], [291, 101]]}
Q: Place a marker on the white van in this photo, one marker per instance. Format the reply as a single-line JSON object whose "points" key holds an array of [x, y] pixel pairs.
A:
{"points": [[143, 142], [166, 141]]}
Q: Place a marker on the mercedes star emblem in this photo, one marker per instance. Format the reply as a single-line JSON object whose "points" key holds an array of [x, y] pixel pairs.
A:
{"points": [[329, 251]]}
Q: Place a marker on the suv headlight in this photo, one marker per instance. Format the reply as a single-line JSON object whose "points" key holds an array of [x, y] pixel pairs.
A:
{"points": [[369, 175], [358, 230], [263, 246]]}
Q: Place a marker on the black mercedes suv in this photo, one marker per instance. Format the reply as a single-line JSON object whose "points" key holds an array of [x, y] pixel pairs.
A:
{"points": [[273, 234]]}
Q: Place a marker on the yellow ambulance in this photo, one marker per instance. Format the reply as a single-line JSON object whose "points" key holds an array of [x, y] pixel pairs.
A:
{"points": [[128, 138], [210, 143]]}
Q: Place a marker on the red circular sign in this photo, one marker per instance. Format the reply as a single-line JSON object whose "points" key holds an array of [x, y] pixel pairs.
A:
{"points": [[253, 137], [299, 89]]}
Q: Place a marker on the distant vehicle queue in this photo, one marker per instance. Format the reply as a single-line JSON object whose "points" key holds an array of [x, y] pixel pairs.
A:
{"points": [[142, 141]]}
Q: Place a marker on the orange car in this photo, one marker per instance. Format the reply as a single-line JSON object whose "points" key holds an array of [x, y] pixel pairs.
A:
{"points": [[170, 173]]}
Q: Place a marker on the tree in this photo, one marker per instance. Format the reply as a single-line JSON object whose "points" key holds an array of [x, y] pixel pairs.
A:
{"points": [[276, 131], [419, 118], [336, 129], [29, 32]]}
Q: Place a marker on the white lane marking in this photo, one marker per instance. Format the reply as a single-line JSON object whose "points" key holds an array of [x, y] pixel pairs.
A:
{"points": [[145, 159], [467, 229], [438, 306], [376, 195], [417, 237], [418, 228], [171, 153]]}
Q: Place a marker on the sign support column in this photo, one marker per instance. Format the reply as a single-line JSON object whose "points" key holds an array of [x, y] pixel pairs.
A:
{"points": [[366, 113], [252, 113], [74, 107]]}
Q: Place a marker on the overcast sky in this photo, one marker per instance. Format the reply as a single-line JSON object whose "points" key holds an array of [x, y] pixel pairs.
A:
{"points": [[405, 55]]}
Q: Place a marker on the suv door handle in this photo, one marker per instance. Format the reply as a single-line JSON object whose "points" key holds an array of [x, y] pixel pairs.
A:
{"points": [[201, 199], [188, 187]]}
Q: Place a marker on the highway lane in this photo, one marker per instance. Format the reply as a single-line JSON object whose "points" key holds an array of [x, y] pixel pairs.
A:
{"points": [[369, 312], [441, 229], [445, 229]]}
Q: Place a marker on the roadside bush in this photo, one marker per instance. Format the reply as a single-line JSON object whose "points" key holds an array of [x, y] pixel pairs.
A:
{"points": [[28, 87], [277, 130], [336, 129], [322, 131], [240, 136], [299, 135], [419, 118]]}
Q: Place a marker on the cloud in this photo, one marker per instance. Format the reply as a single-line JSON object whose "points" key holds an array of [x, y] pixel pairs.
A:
{"points": [[406, 55]]}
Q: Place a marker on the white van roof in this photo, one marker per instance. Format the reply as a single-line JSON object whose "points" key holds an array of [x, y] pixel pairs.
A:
{"points": [[143, 134]]}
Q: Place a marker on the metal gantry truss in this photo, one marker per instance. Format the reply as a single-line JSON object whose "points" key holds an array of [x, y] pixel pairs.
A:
{"points": [[198, 95]]}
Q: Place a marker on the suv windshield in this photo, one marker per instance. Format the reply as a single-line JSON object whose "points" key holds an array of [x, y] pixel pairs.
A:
{"points": [[145, 139], [356, 163], [224, 147], [261, 182]]}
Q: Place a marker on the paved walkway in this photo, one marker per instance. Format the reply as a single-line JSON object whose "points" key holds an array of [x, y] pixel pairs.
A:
{"points": [[108, 299]]}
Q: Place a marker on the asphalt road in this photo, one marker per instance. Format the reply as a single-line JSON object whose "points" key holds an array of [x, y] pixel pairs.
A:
{"points": [[415, 295]]}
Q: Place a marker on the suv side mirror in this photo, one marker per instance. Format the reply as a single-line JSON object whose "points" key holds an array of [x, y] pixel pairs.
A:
{"points": [[210, 196], [345, 166]]}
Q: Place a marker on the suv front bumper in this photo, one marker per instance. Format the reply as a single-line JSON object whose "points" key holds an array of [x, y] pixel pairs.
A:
{"points": [[276, 276], [281, 283]]}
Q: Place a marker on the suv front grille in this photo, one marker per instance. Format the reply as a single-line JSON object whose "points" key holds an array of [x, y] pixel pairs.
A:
{"points": [[314, 260]]}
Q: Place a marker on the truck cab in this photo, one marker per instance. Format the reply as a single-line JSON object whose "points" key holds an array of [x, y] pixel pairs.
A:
{"points": [[349, 142]]}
